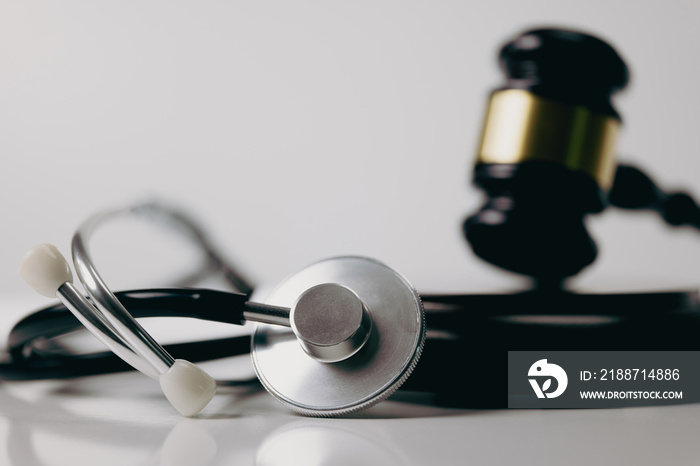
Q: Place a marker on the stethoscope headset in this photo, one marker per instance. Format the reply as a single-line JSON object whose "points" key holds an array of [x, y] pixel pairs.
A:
{"points": [[345, 333]]}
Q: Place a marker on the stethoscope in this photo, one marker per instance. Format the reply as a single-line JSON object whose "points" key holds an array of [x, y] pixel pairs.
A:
{"points": [[337, 337], [334, 338]]}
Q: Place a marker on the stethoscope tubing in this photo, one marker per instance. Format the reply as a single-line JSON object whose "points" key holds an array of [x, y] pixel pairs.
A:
{"points": [[452, 319]]}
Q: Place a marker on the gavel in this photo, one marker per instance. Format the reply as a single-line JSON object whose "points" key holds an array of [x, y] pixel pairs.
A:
{"points": [[546, 158]]}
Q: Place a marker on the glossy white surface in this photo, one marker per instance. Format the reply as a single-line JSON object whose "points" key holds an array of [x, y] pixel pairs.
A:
{"points": [[123, 419], [120, 420]]}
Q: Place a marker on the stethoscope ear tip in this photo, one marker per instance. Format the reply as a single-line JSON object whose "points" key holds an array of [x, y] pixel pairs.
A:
{"points": [[187, 387], [45, 269]]}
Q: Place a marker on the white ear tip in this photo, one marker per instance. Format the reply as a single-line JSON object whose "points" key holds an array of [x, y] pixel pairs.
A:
{"points": [[188, 388], [45, 269]]}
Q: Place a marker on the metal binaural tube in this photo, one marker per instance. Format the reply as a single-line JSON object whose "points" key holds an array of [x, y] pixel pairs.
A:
{"points": [[123, 324], [96, 323]]}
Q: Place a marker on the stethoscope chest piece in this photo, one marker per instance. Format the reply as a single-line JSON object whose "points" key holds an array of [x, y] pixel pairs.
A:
{"points": [[300, 366]]}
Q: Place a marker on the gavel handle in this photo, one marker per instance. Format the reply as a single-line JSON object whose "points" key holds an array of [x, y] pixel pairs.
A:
{"points": [[633, 189]]}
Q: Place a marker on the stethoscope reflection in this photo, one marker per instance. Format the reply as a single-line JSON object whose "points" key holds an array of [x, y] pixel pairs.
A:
{"points": [[328, 442], [50, 424], [188, 443], [42, 431]]}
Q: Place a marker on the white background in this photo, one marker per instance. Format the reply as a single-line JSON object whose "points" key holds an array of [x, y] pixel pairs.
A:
{"points": [[300, 130]]}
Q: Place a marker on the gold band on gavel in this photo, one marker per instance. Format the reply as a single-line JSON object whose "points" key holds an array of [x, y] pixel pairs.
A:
{"points": [[522, 126]]}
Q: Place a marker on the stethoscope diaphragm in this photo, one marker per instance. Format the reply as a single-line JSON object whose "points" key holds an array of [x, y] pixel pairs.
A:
{"points": [[312, 387]]}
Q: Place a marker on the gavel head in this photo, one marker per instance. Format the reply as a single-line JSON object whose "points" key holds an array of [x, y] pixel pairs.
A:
{"points": [[545, 159]]}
